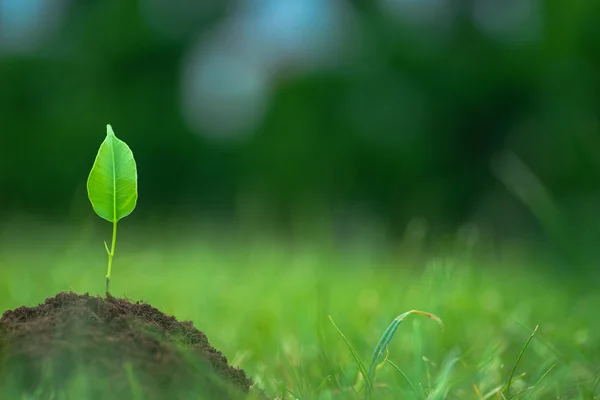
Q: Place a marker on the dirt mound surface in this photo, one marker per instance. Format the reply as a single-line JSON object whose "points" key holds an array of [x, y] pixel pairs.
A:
{"points": [[111, 348]]}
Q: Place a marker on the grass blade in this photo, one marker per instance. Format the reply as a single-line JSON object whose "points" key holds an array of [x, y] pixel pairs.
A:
{"points": [[389, 334], [442, 385], [381, 364], [405, 377], [519, 359], [540, 380], [296, 395], [361, 365], [493, 392]]}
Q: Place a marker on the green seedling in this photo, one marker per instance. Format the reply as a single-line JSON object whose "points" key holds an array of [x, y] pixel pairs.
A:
{"points": [[112, 187]]}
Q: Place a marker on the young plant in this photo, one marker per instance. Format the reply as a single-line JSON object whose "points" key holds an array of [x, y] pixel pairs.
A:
{"points": [[112, 187]]}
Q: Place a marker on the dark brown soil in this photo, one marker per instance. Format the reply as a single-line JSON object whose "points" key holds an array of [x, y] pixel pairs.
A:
{"points": [[130, 349]]}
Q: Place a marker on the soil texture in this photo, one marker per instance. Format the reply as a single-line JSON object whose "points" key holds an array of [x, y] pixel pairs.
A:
{"points": [[130, 350]]}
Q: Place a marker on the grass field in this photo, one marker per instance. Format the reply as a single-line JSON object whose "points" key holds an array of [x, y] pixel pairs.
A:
{"points": [[266, 305]]}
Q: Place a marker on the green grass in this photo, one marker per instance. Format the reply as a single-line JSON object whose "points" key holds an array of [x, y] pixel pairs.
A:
{"points": [[266, 304]]}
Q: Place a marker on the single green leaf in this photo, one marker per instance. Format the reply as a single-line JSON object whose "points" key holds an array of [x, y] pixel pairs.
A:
{"points": [[112, 184]]}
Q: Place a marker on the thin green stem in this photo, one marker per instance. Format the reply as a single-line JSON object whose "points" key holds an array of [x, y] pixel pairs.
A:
{"points": [[507, 388], [540, 380], [111, 253]]}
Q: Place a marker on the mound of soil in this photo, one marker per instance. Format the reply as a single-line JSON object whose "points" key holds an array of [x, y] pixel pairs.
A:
{"points": [[130, 350]]}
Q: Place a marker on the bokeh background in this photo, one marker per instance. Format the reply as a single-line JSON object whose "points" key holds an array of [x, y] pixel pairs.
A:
{"points": [[382, 118]]}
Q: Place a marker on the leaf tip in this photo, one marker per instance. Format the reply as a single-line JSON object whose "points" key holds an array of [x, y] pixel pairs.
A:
{"points": [[109, 130]]}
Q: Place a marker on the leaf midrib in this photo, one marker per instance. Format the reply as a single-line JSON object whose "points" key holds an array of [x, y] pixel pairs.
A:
{"points": [[112, 153]]}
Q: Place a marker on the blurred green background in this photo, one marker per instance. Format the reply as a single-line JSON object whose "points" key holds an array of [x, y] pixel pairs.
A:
{"points": [[313, 158], [356, 115]]}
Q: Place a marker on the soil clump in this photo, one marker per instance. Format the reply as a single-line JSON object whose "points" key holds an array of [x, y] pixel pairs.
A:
{"points": [[111, 348]]}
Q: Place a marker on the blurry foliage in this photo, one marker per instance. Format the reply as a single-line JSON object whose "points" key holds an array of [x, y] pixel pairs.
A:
{"points": [[408, 126]]}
